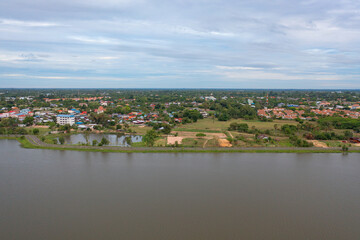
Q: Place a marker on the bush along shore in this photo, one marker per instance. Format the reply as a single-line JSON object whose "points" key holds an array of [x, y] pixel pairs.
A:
{"points": [[32, 141]]}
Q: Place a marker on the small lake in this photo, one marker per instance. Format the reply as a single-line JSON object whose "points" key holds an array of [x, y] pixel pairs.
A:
{"points": [[114, 139]]}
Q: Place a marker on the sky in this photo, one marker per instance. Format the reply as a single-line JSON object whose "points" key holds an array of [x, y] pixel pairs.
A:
{"points": [[310, 44]]}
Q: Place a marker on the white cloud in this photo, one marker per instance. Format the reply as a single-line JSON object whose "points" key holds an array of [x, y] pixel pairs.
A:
{"points": [[267, 75], [14, 75], [95, 40], [238, 68], [19, 23], [107, 58]]}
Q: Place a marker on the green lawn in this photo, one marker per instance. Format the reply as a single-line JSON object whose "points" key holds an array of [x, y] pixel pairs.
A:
{"points": [[42, 131]]}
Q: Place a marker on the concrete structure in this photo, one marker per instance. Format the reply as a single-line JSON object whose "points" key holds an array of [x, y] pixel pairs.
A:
{"points": [[63, 119]]}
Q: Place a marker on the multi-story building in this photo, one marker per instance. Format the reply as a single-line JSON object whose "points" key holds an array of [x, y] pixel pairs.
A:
{"points": [[63, 119]]}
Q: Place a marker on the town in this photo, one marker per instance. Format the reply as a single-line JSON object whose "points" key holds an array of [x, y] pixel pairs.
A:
{"points": [[183, 118]]}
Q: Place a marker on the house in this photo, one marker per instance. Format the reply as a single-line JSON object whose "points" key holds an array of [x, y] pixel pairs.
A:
{"points": [[74, 111], [4, 115], [63, 119], [204, 114], [354, 106], [250, 102], [354, 140], [101, 109], [262, 136], [178, 120]]}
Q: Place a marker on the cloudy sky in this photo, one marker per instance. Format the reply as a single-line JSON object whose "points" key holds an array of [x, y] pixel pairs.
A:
{"points": [[180, 43]]}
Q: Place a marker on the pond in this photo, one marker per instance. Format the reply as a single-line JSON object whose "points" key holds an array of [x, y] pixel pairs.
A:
{"points": [[114, 139]]}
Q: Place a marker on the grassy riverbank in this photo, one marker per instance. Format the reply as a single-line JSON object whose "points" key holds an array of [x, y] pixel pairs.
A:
{"points": [[27, 144]]}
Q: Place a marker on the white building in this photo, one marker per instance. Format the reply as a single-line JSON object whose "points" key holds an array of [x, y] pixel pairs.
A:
{"points": [[210, 98], [4, 115], [65, 119]]}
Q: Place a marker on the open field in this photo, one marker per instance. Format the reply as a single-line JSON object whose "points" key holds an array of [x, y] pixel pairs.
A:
{"points": [[210, 125], [193, 142], [193, 135], [42, 129], [141, 130]]}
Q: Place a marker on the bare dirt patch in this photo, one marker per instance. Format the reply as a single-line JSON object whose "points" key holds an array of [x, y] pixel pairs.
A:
{"points": [[193, 135], [172, 140], [318, 144], [224, 143]]}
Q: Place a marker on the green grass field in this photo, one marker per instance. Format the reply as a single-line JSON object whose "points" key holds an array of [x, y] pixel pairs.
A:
{"points": [[210, 125], [140, 130], [193, 142]]}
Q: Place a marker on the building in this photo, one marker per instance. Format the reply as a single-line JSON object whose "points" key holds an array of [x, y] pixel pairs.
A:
{"points": [[250, 102], [210, 98], [101, 109], [63, 119]]}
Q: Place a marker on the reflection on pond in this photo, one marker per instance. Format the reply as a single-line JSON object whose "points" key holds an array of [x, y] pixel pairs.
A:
{"points": [[114, 139]]}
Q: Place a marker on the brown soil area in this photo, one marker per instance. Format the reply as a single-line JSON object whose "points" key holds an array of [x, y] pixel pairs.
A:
{"points": [[318, 144], [224, 143], [172, 140]]}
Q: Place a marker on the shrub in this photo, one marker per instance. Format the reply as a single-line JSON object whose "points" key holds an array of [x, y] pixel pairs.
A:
{"points": [[200, 134], [61, 139], [104, 141], [241, 127], [150, 137], [36, 131]]}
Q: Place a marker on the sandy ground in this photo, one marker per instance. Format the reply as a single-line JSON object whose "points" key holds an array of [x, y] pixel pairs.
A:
{"points": [[171, 140], [193, 135], [39, 126], [224, 143], [319, 144]]}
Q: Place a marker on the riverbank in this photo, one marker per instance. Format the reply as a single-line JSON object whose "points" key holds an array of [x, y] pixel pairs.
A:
{"points": [[31, 141]]}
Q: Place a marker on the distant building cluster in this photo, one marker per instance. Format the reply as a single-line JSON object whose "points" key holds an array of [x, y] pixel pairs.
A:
{"points": [[282, 113]]}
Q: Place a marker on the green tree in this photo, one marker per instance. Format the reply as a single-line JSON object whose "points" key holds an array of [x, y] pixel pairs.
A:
{"points": [[150, 137], [128, 140], [104, 141], [36, 131], [224, 116], [28, 121], [61, 139], [348, 134]]}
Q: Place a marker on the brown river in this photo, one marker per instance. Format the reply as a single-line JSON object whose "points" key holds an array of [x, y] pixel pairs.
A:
{"points": [[52, 194]]}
